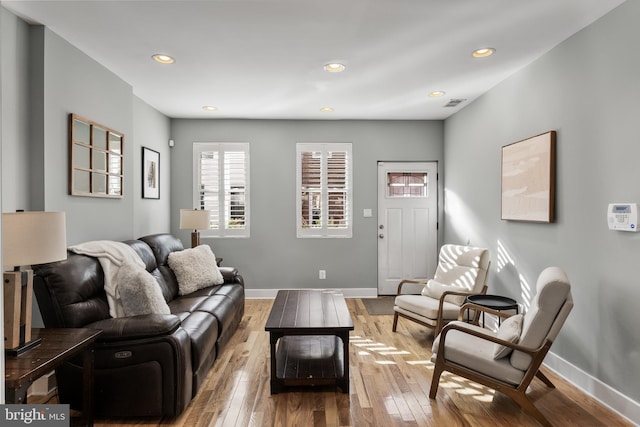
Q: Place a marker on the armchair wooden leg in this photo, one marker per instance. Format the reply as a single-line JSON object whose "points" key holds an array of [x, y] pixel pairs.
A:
{"points": [[435, 381], [395, 321], [544, 379], [528, 406]]}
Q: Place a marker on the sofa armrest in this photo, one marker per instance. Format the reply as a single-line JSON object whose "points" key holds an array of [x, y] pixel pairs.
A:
{"points": [[231, 275], [136, 327]]}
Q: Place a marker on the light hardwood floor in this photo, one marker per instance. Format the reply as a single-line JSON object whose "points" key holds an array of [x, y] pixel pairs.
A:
{"points": [[390, 380]]}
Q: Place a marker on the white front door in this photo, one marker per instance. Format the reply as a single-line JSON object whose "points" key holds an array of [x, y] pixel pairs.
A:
{"points": [[407, 222]]}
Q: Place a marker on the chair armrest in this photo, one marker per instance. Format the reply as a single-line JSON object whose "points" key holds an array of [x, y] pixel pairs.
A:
{"points": [[529, 350], [444, 295], [414, 282], [135, 327]]}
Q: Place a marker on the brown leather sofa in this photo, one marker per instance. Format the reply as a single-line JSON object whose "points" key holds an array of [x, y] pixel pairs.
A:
{"points": [[148, 365]]}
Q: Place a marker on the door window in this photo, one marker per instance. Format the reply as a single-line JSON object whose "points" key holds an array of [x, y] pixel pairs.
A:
{"points": [[407, 184]]}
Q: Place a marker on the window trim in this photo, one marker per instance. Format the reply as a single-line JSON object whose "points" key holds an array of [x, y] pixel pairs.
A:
{"points": [[324, 231], [222, 232]]}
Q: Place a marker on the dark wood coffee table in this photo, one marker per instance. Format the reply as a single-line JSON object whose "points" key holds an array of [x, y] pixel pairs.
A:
{"points": [[309, 337]]}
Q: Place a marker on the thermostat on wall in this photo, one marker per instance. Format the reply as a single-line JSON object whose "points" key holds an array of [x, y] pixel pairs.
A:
{"points": [[623, 216]]}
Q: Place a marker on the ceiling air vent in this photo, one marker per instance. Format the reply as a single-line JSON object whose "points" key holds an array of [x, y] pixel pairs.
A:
{"points": [[454, 102]]}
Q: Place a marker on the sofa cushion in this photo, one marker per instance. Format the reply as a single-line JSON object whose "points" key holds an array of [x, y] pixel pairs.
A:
{"points": [[161, 245], [111, 255], [195, 269], [71, 292], [509, 331], [139, 291]]}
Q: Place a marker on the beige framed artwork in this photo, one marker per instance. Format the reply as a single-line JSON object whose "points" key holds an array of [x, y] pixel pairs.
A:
{"points": [[528, 179]]}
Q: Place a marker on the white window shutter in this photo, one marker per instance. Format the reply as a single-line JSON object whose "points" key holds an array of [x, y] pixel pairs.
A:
{"points": [[324, 194], [221, 182]]}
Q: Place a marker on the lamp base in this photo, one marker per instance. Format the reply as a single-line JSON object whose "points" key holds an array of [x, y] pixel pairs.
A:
{"points": [[195, 239], [18, 295], [15, 352]]}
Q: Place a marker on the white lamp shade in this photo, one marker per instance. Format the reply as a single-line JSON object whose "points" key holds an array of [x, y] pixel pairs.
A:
{"points": [[30, 238], [192, 219]]}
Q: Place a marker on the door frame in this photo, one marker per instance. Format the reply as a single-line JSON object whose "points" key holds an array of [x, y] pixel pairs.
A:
{"points": [[439, 212]]}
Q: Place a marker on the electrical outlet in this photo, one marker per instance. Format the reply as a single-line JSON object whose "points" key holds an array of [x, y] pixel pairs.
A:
{"points": [[322, 274]]}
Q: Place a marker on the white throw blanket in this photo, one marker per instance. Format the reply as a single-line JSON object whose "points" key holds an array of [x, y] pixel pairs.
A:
{"points": [[112, 255]]}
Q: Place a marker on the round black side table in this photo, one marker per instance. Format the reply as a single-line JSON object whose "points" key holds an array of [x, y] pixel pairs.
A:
{"points": [[494, 302]]}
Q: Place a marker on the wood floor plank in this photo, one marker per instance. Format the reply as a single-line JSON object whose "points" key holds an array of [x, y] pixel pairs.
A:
{"points": [[390, 380]]}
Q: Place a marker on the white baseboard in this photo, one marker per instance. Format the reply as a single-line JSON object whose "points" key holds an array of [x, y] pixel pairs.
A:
{"points": [[595, 388], [347, 292]]}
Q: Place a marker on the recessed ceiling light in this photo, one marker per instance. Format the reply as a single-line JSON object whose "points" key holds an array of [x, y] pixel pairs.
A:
{"points": [[163, 59], [326, 110], [436, 93], [210, 108], [483, 52], [334, 67]]}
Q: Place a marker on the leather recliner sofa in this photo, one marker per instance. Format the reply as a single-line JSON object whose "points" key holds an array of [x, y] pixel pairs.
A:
{"points": [[147, 365]]}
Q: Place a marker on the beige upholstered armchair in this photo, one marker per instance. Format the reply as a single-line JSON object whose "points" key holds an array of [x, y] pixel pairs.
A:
{"points": [[461, 271], [507, 360]]}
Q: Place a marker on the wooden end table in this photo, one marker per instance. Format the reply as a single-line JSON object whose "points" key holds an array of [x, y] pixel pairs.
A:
{"points": [[309, 337], [57, 347]]}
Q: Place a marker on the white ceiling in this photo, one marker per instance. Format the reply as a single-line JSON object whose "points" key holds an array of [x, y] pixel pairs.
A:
{"points": [[264, 59]]}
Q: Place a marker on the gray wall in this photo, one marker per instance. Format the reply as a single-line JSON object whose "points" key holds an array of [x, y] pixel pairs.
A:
{"points": [[75, 83], [587, 89], [273, 258], [15, 106], [151, 130], [60, 79], [43, 79]]}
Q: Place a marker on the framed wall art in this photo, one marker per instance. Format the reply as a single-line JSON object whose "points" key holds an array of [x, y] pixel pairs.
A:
{"points": [[150, 174], [528, 179], [95, 159]]}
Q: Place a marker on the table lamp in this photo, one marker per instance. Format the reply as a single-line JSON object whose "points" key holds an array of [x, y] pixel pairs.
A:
{"points": [[194, 219], [28, 238]]}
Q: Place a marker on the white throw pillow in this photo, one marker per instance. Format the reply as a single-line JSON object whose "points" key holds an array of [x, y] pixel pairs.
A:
{"points": [[435, 289], [509, 330], [195, 269], [139, 291]]}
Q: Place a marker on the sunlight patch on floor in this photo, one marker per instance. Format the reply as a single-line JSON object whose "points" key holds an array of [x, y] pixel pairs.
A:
{"points": [[467, 387], [420, 362], [370, 347]]}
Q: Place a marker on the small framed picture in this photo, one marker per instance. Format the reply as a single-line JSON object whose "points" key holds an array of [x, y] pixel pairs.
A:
{"points": [[150, 174]]}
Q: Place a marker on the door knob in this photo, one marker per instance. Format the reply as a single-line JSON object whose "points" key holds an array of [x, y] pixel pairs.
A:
{"points": [[381, 236], [381, 227]]}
